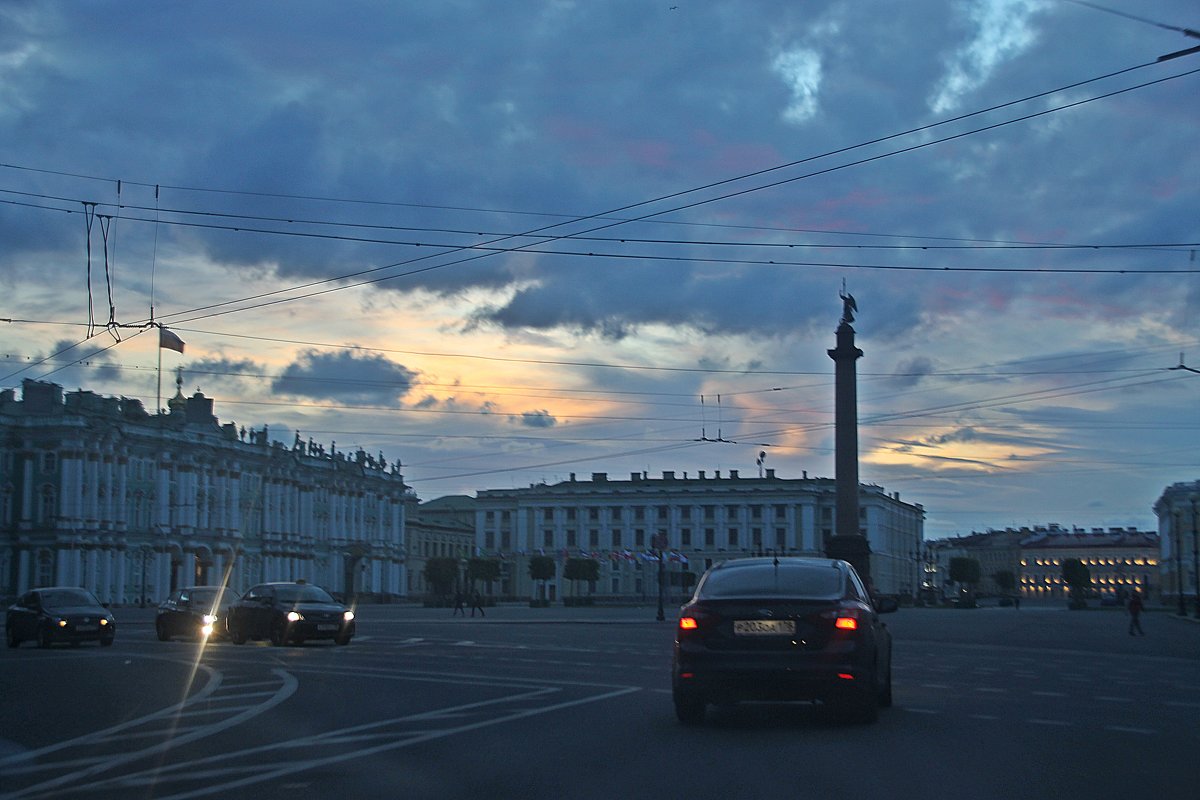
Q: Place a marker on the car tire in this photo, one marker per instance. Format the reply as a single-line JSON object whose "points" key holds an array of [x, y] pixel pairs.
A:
{"points": [[10, 637], [44, 638], [342, 639], [106, 641], [689, 709], [885, 691], [161, 629], [237, 635], [278, 634]]}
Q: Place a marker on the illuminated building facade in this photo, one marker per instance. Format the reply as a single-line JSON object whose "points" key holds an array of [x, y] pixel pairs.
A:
{"points": [[698, 520], [98, 493]]}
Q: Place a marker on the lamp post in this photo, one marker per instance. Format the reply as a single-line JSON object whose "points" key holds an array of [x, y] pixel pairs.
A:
{"points": [[660, 546], [1195, 559], [1179, 562]]}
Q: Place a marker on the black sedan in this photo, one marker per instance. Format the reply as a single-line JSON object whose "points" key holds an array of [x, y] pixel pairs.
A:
{"points": [[197, 612], [58, 614], [782, 629], [289, 612]]}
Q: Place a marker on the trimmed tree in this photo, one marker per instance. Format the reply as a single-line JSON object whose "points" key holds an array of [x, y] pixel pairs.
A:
{"points": [[1079, 579], [541, 568], [965, 571], [1005, 580], [581, 569], [441, 573], [483, 569]]}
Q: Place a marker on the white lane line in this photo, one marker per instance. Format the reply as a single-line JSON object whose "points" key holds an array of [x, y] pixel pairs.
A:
{"points": [[934, 686], [1058, 723], [1127, 729], [1181, 704], [1107, 699], [985, 717], [991, 690], [922, 711], [1049, 694]]}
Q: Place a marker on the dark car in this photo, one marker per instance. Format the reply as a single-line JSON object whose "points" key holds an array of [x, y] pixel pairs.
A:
{"points": [[197, 612], [782, 629], [289, 612], [59, 614]]}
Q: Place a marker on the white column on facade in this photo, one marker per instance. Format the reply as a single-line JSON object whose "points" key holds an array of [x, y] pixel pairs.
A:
{"points": [[162, 504], [24, 578], [106, 487]]}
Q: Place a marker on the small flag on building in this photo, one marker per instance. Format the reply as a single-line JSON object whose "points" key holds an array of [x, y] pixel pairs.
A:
{"points": [[169, 341]]}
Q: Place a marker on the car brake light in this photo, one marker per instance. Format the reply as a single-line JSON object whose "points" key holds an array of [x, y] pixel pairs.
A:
{"points": [[688, 623], [846, 623]]}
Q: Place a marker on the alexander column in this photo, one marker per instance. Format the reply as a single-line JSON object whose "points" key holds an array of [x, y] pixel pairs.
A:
{"points": [[847, 542]]}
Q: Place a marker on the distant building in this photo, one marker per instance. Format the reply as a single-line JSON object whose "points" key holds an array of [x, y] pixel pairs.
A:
{"points": [[96, 492], [1119, 559], [694, 520], [1178, 512], [441, 528]]}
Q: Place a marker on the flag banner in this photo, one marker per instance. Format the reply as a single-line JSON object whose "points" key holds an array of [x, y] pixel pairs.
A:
{"points": [[169, 341]]}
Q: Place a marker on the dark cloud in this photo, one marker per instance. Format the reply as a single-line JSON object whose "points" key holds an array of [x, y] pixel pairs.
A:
{"points": [[537, 419], [346, 376]]}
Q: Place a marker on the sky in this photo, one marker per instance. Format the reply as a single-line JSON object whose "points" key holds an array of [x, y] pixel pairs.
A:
{"points": [[504, 242]]}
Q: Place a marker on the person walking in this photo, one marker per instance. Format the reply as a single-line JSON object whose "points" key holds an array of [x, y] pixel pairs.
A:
{"points": [[458, 605], [1135, 614], [477, 602]]}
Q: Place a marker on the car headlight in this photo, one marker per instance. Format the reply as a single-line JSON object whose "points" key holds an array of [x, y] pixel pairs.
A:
{"points": [[209, 619], [105, 621], [294, 616], [348, 616], [62, 623]]}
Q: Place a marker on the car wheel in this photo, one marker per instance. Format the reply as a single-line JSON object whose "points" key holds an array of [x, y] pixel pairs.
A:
{"points": [[863, 704], [161, 630], [106, 642], [689, 709], [278, 634], [237, 635], [10, 637], [44, 638], [343, 639]]}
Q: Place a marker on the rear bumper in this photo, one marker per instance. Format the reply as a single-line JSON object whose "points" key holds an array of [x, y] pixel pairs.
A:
{"points": [[724, 678]]}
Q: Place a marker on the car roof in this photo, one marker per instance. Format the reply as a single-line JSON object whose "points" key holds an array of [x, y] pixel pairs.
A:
{"points": [[800, 561]]}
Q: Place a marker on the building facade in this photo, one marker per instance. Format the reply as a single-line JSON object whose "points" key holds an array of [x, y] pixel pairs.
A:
{"points": [[1120, 560], [441, 528], [693, 521], [1178, 512], [96, 492]]}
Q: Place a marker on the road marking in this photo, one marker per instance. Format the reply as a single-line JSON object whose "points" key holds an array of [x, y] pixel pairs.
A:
{"points": [[934, 686], [1049, 694], [922, 710], [1115, 699], [1127, 729], [991, 689], [1058, 723]]}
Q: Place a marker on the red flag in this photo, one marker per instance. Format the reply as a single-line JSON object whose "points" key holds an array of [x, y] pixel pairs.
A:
{"points": [[169, 341]]}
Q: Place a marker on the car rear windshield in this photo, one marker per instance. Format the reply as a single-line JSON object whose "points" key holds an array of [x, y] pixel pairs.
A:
{"points": [[303, 594], [786, 580], [207, 597]]}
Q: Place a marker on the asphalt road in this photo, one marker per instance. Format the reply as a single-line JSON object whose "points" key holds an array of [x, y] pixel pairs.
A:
{"points": [[575, 703]]}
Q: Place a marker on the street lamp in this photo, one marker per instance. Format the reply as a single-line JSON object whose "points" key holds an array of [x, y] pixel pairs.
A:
{"points": [[660, 545]]}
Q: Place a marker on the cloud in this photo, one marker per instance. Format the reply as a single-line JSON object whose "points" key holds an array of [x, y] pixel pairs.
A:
{"points": [[800, 69], [1002, 31], [346, 376], [537, 419]]}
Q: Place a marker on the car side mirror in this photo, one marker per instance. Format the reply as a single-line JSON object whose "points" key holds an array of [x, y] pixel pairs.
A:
{"points": [[886, 605]]}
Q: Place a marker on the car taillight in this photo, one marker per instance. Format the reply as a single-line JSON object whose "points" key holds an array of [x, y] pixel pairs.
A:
{"points": [[688, 623], [846, 623]]}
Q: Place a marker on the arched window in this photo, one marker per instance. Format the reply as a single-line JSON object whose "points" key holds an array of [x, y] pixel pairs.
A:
{"points": [[48, 510]]}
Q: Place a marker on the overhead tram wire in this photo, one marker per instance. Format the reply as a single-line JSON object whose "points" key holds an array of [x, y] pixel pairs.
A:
{"points": [[960, 243], [693, 190]]}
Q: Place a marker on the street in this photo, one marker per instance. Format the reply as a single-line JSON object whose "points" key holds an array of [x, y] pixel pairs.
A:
{"points": [[575, 703]]}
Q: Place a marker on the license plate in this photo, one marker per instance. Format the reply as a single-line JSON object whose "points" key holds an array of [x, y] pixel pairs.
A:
{"points": [[764, 627], [327, 627]]}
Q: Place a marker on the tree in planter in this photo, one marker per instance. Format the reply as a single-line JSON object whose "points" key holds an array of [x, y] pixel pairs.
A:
{"points": [[541, 568], [1006, 580], [1079, 578], [441, 573], [581, 569], [965, 571], [486, 570]]}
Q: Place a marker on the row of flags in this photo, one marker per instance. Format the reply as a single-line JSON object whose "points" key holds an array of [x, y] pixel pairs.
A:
{"points": [[671, 556]]}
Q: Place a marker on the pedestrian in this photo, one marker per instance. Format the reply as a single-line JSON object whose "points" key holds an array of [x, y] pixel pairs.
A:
{"points": [[477, 602], [1017, 601], [1135, 614], [458, 605]]}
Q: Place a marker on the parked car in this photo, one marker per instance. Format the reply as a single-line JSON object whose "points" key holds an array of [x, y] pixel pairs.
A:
{"points": [[289, 612], [197, 612], [782, 629], [59, 614]]}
